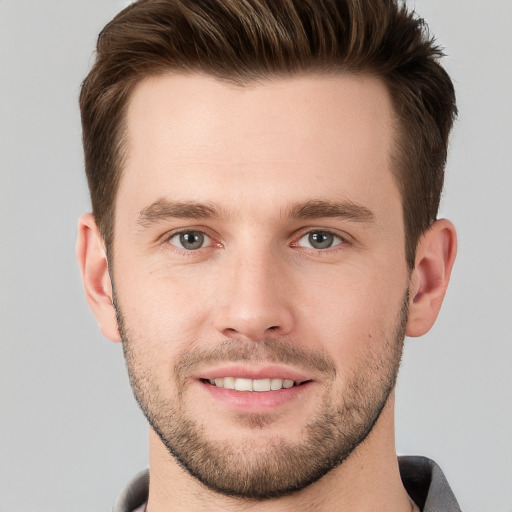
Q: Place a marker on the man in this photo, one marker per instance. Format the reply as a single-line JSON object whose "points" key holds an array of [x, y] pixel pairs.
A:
{"points": [[265, 179]]}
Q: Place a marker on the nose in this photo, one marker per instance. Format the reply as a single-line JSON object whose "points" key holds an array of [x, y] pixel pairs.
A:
{"points": [[254, 297]]}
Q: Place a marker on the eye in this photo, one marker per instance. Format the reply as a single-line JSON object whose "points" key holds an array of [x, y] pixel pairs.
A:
{"points": [[319, 240], [190, 240]]}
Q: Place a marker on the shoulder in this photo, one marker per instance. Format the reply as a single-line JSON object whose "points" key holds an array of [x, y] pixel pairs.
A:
{"points": [[134, 494], [426, 484]]}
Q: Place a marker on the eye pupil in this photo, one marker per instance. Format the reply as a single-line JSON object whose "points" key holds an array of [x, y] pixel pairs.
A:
{"points": [[192, 240], [321, 239]]}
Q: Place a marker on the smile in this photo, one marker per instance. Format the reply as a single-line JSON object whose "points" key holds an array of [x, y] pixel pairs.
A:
{"points": [[259, 385]]}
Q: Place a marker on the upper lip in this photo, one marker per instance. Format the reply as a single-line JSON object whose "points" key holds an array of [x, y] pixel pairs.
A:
{"points": [[254, 372]]}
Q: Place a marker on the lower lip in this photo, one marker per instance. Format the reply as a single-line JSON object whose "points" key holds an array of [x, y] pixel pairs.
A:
{"points": [[256, 401]]}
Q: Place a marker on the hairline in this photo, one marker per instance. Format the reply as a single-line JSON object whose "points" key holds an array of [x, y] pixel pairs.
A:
{"points": [[395, 157]]}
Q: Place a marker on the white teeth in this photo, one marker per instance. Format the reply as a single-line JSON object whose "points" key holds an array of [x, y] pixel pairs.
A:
{"points": [[243, 384], [229, 382], [276, 384], [260, 385]]}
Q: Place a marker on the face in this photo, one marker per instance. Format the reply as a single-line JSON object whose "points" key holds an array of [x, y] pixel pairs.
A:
{"points": [[259, 273]]}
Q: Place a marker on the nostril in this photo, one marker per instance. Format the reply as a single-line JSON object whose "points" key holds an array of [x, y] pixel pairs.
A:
{"points": [[272, 328]]}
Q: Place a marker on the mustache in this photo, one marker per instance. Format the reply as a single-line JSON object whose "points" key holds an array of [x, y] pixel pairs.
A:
{"points": [[261, 351]]}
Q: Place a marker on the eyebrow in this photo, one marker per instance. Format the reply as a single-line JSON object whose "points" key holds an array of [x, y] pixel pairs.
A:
{"points": [[164, 209], [312, 209], [317, 209]]}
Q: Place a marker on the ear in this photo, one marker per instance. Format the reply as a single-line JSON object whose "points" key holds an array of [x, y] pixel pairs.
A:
{"points": [[435, 255], [92, 260]]}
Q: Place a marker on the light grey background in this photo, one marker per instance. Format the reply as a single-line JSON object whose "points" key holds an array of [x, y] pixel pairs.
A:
{"points": [[70, 432]]}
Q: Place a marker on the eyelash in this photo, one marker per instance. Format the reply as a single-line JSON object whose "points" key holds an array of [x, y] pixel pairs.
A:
{"points": [[343, 240], [190, 252]]}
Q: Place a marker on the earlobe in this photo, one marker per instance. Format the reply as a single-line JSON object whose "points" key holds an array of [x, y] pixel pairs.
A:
{"points": [[92, 260], [435, 256]]}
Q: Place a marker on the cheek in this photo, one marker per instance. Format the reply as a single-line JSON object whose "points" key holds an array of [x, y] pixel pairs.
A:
{"points": [[353, 308], [158, 311]]}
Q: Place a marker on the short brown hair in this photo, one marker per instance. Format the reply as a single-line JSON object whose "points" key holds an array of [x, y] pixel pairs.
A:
{"points": [[246, 40]]}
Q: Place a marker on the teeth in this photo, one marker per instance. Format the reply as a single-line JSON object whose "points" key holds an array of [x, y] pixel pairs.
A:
{"points": [[243, 384], [260, 385], [276, 384], [229, 382], [287, 383]]}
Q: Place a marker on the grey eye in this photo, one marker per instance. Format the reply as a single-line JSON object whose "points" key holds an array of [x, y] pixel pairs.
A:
{"points": [[319, 240], [189, 240]]}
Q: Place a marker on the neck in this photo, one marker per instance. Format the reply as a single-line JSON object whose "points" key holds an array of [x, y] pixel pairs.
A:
{"points": [[366, 481]]}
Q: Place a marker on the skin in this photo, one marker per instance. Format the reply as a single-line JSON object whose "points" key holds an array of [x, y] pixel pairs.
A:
{"points": [[253, 154]]}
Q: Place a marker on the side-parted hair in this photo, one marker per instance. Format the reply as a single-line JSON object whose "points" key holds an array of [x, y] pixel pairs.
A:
{"points": [[245, 41]]}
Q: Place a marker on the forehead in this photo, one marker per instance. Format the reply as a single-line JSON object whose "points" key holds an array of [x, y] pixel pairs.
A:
{"points": [[196, 138]]}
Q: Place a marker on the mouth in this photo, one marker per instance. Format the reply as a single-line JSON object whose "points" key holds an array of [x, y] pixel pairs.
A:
{"points": [[254, 385], [255, 388]]}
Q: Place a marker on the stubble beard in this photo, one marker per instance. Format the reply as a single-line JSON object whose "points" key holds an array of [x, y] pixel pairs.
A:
{"points": [[280, 467]]}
